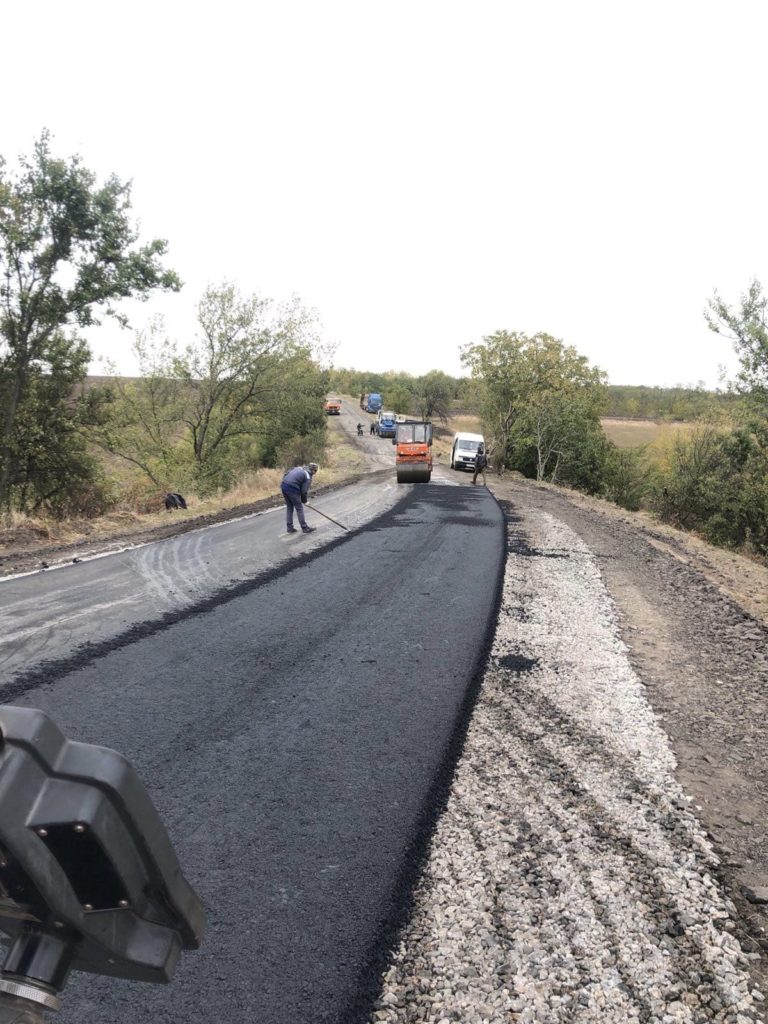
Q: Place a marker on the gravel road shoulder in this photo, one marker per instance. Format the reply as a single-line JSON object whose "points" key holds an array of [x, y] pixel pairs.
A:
{"points": [[695, 621], [603, 847]]}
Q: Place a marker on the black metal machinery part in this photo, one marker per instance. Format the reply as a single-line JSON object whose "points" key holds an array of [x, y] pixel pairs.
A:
{"points": [[89, 880]]}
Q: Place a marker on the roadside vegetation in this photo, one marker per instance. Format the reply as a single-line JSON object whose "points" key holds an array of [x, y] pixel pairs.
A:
{"points": [[219, 416], [699, 460]]}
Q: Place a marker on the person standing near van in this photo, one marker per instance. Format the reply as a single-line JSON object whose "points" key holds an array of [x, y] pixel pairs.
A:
{"points": [[481, 461], [295, 488]]}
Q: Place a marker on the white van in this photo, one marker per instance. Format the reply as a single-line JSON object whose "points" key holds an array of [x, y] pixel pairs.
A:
{"points": [[464, 450]]}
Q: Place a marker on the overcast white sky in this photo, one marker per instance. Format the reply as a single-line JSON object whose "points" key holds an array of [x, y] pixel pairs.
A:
{"points": [[425, 173]]}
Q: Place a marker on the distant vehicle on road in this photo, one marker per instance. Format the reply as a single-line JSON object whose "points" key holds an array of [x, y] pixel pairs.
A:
{"points": [[333, 407], [385, 424], [372, 402], [464, 450]]}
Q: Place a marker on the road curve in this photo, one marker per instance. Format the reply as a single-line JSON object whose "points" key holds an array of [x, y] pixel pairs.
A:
{"points": [[295, 737]]}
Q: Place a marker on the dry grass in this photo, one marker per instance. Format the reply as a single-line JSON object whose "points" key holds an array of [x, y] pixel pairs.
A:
{"points": [[25, 533], [633, 433]]}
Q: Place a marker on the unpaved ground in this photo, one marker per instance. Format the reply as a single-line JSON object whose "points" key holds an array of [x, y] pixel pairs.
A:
{"points": [[695, 621]]}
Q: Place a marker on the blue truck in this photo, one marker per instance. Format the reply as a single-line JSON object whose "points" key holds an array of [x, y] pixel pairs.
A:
{"points": [[374, 403], [386, 424]]}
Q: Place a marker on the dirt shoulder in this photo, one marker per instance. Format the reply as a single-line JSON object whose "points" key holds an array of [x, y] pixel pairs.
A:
{"points": [[743, 579], [695, 620]]}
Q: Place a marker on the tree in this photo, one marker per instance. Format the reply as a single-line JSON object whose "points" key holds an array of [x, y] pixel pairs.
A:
{"points": [[68, 249], [495, 368], [541, 402], [434, 394], [399, 399], [730, 502], [248, 372], [748, 330], [53, 467], [144, 426], [246, 387]]}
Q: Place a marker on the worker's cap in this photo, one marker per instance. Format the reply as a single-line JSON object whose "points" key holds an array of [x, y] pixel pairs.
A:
{"points": [[313, 467]]}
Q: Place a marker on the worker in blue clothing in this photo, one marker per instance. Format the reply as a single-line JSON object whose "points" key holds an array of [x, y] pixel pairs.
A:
{"points": [[295, 488]]}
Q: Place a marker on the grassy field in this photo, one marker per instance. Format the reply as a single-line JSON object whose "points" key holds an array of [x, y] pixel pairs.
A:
{"points": [[632, 433]]}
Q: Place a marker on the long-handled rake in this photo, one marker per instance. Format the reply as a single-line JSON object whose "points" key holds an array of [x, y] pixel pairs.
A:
{"points": [[330, 520]]}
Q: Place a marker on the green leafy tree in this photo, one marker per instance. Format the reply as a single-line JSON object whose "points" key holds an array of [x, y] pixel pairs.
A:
{"points": [[400, 399], [747, 330], [144, 425], [433, 396], [68, 249], [247, 378], [54, 470], [730, 505], [541, 403], [247, 391], [562, 426]]}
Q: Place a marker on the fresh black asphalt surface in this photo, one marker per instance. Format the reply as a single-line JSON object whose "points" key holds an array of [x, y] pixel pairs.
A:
{"points": [[296, 735]]}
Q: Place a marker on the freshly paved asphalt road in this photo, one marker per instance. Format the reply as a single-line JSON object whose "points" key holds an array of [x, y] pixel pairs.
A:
{"points": [[296, 734]]}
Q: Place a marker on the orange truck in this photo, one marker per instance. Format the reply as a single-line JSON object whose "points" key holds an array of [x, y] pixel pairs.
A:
{"points": [[413, 458], [332, 407]]}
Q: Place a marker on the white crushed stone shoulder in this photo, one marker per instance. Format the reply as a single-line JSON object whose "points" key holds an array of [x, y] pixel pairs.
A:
{"points": [[568, 879]]}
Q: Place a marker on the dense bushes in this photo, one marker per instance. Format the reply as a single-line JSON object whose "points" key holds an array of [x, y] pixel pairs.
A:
{"points": [[717, 484], [713, 481], [626, 476]]}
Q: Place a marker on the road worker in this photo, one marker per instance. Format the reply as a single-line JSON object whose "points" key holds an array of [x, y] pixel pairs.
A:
{"points": [[481, 461], [295, 488]]}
